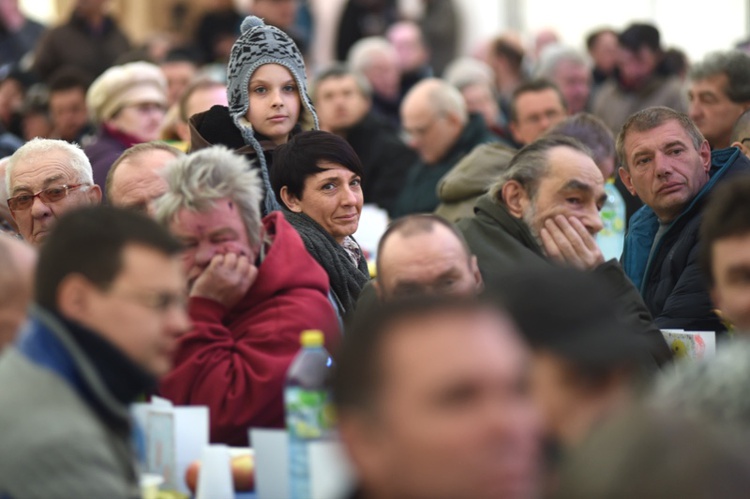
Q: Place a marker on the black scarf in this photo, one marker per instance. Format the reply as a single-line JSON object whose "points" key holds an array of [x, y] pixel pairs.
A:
{"points": [[346, 279]]}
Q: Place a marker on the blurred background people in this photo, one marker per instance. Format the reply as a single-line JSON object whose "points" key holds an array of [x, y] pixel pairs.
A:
{"points": [[67, 106], [602, 46], [441, 131], [569, 70], [376, 59], [641, 79], [90, 40], [127, 104], [136, 178], [719, 92]]}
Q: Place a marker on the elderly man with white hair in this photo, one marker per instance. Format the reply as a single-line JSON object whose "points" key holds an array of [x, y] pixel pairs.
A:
{"points": [[570, 70], [46, 178], [441, 131], [253, 287]]}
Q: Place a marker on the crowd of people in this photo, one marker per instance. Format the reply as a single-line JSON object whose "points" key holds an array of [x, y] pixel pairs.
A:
{"points": [[170, 229]]}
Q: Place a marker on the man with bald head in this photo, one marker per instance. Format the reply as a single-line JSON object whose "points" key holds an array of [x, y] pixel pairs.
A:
{"points": [[425, 254], [441, 131], [17, 261], [47, 178], [135, 180]]}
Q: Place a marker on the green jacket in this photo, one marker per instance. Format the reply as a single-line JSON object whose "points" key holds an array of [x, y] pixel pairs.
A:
{"points": [[419, 192], [473, 176]]}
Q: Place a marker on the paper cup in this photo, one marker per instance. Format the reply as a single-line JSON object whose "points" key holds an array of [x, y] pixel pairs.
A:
{"points": [[215, 477]]}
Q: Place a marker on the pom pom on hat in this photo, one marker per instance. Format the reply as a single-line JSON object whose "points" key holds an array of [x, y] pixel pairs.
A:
{"points": [[251, 22]]}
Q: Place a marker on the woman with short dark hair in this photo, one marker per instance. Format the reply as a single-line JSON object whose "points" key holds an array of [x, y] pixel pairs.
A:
{"points": [[317, 176]]}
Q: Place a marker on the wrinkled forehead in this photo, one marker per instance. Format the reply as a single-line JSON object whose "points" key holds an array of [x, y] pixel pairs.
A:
{"points": [[567, 165], [39, 170]]}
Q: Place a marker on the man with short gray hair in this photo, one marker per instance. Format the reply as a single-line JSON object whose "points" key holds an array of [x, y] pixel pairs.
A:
{"points": [[46, 178], [253, 287], [570, 71], [441, 131], [667, 163], [719, 93]]}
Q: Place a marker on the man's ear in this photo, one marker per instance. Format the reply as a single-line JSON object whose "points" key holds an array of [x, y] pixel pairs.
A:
{"points": [[475, 272], [365, 446], [515, 198], [705, 154], [94, 194], [290, 200], [741, 147], [626, 180], [73, 296]]}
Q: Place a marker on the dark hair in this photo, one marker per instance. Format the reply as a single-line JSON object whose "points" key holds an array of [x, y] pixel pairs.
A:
{"points": [[134, 151], [734, 64], [341, 71], [592, 38], [727, 214], [419, 223], [639, 35], [536, 85], [359, 370], [650, 118], [296, 160], [68, 77], [502, 47], [90, 241]]}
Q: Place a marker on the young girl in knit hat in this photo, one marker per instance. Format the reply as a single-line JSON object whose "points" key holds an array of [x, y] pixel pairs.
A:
{"points": [[268, 101]]}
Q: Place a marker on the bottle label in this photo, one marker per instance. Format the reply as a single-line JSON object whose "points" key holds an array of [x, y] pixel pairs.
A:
{"points": [[309, 413]]}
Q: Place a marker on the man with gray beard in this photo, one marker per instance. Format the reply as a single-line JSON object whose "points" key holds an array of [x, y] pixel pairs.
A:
{"points": [[544, 208]]}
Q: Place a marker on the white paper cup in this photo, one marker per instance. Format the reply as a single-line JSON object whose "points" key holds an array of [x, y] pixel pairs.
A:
{"points": [[215, 477]]}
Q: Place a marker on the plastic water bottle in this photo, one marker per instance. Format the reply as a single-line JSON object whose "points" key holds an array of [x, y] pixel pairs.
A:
{"points": [[309, 412], [611, 238]]}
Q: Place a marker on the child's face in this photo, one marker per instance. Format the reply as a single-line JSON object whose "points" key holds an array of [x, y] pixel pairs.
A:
{"points": [[274, 102]]}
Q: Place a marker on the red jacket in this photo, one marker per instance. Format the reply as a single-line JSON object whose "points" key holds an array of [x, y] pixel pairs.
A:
{"points": [[235, 361]]}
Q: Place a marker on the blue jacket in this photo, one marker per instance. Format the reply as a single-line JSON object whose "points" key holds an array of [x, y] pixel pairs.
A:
{"points": [[672, 284]]}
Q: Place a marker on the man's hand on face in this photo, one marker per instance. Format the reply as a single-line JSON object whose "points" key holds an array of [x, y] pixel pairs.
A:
{"points": [[567, 241], [226, 279]]}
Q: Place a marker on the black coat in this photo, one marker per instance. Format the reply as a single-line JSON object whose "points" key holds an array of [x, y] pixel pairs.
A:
{"points": [[385, 159]]}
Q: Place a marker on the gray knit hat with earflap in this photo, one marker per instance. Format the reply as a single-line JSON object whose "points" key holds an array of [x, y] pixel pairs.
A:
{"points": [[257, 45]]}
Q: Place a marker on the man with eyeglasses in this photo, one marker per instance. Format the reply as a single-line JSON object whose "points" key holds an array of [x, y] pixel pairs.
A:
{"points": [[440, 129], [46, 178], [109, 306]]}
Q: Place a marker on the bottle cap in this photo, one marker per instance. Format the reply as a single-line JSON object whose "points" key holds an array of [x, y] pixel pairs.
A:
{"points": [[312, 338]]}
